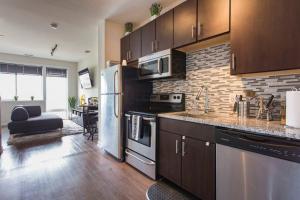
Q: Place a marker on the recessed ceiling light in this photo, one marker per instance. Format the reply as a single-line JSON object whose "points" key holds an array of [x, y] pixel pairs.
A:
{"points": [[54, 25], [87, 51]]}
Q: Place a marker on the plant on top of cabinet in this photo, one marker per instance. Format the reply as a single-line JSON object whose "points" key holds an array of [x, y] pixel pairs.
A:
{"points": [[128, 28], [155, 10]]}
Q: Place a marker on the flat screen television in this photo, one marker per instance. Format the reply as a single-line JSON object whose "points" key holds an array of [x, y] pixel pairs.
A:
{"points": [[85, 79]]}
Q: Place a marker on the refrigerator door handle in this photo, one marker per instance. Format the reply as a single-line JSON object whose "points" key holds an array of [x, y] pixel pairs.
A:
{"points": [[116, 115]]}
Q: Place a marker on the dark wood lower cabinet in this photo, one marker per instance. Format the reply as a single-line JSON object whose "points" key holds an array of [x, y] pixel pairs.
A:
{"points": [[198, 168], [170, 158], [186, 156]]}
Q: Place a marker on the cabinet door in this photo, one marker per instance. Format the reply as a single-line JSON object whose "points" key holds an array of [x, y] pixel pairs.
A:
{"points": [[265, 35], [125, 46], [198, 168], [213, 18], [185, 22], [135, 45], [169, 157], [148, 38], [164, 31]]}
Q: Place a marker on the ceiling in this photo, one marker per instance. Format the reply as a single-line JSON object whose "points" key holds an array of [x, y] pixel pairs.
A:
{"points": [[25, 24]]}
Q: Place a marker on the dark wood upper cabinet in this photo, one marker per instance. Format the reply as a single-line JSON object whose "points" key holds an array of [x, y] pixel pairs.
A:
{"points": [[169, 158], [131, 46], [135, 45], [164, 31], [185, 23], [148, 38], [198, 168], [264, 35], [213, 18], [125, 47]]}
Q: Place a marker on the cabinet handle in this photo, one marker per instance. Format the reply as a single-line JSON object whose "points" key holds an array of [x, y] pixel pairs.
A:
{"points": [[156, 45], [183, 146], [176, 147], [127, 55], [193, 31], [233, 61], [152, 46], [200, 29], [207, 144]]}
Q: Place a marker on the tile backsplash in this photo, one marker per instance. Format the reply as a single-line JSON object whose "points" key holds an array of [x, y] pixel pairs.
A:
{"points": [[211, 67]]}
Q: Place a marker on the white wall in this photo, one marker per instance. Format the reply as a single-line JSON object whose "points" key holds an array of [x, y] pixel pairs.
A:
{"points": [[91, 62], [18, 59]]}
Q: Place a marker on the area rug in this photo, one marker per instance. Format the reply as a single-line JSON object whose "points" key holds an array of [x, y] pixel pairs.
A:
{"points": [[70, 128]]}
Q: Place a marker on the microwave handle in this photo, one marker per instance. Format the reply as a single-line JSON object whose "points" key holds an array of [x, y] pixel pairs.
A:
{"points": [[159, 66]]}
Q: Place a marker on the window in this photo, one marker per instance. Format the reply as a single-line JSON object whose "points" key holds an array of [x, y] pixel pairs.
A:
{"points": [[22, 81], [56, 89], [7, 86], [29, 85]]}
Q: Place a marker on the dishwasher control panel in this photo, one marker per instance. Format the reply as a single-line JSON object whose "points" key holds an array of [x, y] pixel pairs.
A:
{"points": [[266, 145]]}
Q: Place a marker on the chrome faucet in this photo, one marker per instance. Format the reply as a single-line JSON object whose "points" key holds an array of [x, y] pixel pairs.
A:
{"points": [[206, 108]]}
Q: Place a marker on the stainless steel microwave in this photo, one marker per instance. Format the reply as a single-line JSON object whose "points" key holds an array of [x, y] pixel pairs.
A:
{"points": [[164, 64]]}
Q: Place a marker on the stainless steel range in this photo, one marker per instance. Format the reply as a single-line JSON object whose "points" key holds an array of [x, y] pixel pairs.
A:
{"points": [[141, 131]]}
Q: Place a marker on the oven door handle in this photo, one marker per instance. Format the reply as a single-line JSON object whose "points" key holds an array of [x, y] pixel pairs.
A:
{"points": [[148, 119], [145, 162]]}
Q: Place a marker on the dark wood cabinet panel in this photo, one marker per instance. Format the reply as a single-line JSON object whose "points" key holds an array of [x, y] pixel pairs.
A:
{"points": [[125, 47], [265, 35], [135, 45], [213, 18], [185, 22], [194, 130], [148, 38], [169, 159], [198, 168], [164, 31]]}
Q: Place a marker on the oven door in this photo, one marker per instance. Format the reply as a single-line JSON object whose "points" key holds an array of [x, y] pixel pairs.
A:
{"points": [[156, 68], [145, 144]]}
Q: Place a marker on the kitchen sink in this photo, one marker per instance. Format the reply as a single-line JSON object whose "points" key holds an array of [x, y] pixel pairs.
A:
{"points": [[203, 116]]}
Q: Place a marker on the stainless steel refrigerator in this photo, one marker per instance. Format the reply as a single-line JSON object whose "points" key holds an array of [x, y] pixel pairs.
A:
{"points": [[121, 91]]}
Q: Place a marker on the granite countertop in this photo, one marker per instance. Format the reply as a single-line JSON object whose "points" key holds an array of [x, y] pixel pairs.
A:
{"points": [[263, 127]]}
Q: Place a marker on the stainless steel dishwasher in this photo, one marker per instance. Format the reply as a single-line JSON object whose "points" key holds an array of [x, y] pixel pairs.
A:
{"points": [[256, 167]]}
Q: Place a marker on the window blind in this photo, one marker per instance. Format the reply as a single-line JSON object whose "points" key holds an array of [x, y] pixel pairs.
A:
{"points": [[54, 72], [20, 69]]}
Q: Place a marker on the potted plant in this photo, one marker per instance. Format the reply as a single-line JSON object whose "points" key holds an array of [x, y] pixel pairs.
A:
{"points": [[128, 28], [16, 98], [72, 104], [155, 10], [32, 98]]}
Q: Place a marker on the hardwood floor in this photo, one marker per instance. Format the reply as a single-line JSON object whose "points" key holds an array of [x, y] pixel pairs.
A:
{"points": [[67, 168]]}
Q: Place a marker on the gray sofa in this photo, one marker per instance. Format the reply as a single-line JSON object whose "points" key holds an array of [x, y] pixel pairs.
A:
{"points": [[30, 120]]}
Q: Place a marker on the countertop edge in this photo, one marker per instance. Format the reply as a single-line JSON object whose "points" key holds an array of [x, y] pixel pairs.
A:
{"points": [[273, 129]]}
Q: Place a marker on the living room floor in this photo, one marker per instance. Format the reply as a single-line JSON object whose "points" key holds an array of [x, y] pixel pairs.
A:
{"points": [[68, 168]]}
